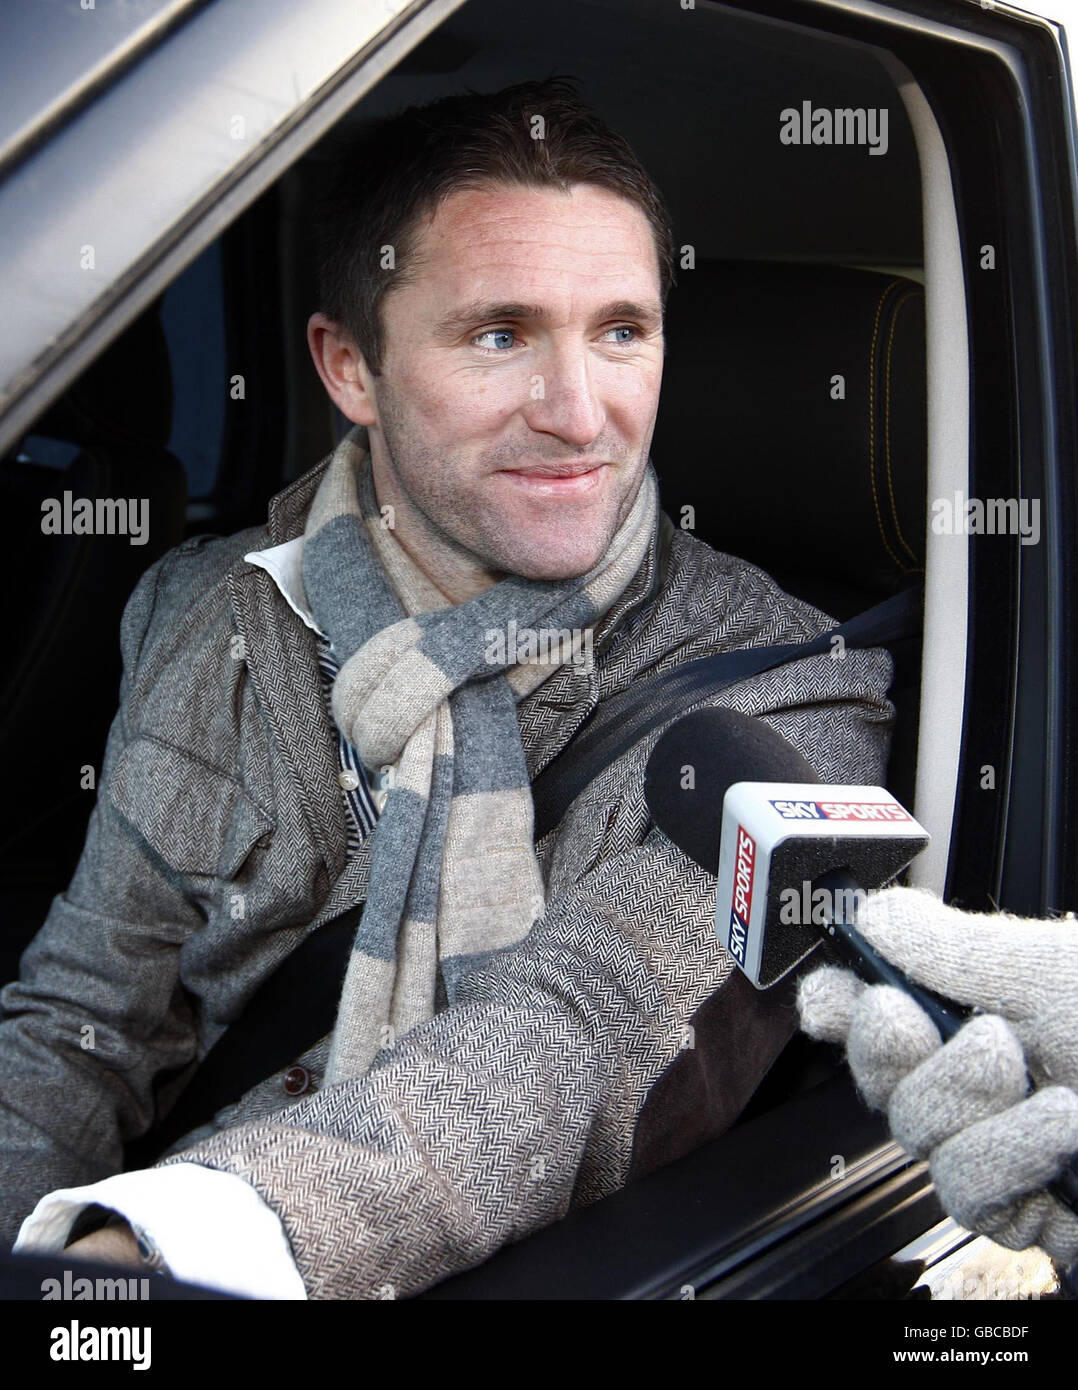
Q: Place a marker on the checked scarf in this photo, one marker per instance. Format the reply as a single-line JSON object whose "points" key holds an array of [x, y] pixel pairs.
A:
{"points": [[429, 690]]}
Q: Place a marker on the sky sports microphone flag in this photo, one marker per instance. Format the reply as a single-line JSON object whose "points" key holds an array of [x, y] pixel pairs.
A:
{"points": [[778, 840]]}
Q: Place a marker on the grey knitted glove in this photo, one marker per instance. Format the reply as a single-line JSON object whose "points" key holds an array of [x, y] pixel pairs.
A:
{"points": [[991, 1146]]}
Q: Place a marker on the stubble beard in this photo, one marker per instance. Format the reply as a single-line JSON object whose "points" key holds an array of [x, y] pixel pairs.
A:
{"points": [[439, 516]]}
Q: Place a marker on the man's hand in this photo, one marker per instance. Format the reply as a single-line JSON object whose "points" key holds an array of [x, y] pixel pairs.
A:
{"points": [[111, 1245], [992, 1147]]}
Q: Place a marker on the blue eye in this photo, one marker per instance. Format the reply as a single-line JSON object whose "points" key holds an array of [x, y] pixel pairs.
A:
{"points": [[509, 333], [493, 333]]}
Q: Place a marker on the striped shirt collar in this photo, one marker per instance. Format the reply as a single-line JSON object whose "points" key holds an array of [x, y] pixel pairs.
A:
{"points": [[364, 792]]}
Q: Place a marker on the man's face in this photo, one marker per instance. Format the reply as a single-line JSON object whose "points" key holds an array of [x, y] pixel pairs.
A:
{"points": [[528, 348]]}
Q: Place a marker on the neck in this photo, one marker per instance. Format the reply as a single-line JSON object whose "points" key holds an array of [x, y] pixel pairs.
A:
{"points": [[459, 579]]}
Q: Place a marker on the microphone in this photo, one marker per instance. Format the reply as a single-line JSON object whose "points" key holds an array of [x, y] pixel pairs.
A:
{"points": [[792, 856], [739, 800]]}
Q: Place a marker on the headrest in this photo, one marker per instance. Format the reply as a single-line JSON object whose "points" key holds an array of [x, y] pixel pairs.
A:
{"points": [[123, 397], [792, 420]]}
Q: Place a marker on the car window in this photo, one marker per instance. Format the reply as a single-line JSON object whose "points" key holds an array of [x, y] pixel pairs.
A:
{"points": [[192, 312]]}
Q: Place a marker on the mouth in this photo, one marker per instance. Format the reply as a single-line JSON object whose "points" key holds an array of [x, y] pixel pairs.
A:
{"points": [[558, 479]]}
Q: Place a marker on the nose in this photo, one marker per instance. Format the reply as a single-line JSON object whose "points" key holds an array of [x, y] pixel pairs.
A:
{"points": [[563, 397]]}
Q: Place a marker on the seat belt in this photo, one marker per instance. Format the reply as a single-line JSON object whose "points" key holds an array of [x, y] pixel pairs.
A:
{"points": [[297, 1005], [289, 1012], [615, 725]]}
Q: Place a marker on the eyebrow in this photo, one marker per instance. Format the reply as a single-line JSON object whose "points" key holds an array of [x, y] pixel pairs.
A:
{"points": [[483, 311]]}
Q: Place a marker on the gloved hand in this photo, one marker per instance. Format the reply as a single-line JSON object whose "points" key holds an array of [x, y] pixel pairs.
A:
{"points": [[991, 1146]]}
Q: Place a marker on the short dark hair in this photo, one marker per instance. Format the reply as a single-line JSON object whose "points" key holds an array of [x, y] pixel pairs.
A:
{"points": [[383, 180]]}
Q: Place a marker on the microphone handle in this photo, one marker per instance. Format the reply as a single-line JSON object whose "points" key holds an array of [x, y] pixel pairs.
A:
{"points": [[868, 965]]}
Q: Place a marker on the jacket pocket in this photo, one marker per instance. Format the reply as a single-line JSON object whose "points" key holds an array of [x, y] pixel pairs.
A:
{"points": [[197, 818]]}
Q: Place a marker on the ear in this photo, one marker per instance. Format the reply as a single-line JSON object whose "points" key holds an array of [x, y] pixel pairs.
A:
{"points": [[341, 367]]}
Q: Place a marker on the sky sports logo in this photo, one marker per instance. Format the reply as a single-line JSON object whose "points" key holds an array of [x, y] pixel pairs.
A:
{"points": [[841, 810], [741, 907]]}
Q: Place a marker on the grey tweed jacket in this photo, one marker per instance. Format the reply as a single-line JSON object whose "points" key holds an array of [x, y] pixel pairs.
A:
{"points": [[617, 1036]]}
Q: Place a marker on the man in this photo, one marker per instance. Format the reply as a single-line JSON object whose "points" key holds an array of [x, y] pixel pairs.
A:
{"points": [[492, 295]]}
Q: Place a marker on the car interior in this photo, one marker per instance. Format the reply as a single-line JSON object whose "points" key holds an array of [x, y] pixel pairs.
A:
{"points": [[791, 428]]}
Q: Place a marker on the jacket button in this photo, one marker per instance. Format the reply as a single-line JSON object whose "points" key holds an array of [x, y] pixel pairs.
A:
{"points": [[297, 1079]]}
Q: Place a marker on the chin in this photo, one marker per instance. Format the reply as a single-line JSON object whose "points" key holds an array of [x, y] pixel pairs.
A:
{"points": [[545, 571]]}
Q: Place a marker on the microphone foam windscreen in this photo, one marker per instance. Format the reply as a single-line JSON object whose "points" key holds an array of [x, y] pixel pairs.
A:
{"points": [[694, 763]]}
